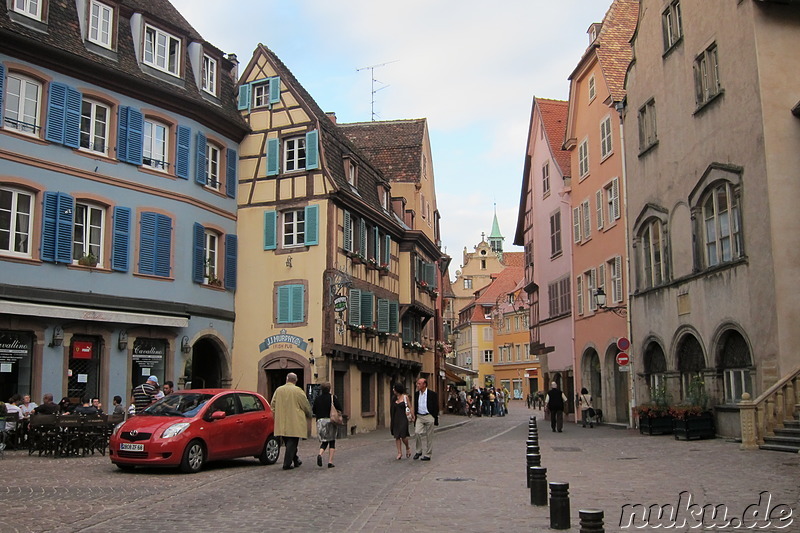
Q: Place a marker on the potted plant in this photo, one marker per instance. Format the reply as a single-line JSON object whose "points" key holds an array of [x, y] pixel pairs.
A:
{"points": [[654, 416], [693, 420], [88, 260]]}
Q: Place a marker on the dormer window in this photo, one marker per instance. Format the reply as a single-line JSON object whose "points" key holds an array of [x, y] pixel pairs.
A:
{"points": [[351, 170], [385, 199], [209, 75], [162, 51], [101, 18], [29, 8]]}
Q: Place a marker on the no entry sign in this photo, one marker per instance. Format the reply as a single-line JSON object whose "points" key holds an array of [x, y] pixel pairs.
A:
{"points": [[623, 359]]}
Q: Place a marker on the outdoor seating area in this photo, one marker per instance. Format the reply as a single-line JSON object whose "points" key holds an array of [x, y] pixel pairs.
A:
{"points": [[61, 435]]}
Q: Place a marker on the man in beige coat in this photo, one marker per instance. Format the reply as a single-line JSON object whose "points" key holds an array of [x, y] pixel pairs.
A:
{"points": [[291, 408]]}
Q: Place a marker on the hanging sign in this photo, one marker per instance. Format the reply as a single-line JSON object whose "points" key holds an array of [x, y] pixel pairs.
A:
{"points": [[283, 338]]}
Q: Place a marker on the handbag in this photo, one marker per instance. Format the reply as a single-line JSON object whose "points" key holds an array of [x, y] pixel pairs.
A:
{"points": [[409, 414], [590, 412], [336, 415]]}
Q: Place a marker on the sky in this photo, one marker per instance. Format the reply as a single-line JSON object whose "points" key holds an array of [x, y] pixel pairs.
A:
{"points": [[470, 71]]}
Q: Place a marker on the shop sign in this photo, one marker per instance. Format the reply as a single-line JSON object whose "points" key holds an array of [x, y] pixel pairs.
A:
{"points": [[149, 351], [82, 349], [283, 340], [340, 304], [13, 348]]}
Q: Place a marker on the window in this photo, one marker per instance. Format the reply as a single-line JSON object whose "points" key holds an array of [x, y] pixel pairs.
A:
{"points": [[488, 356], [586, 220], [706, 75], [291, 304], [155, 148], [16, 216], [367, 393], [671, 24], [579, 293], [87, 233], [294, 155], [601, 276], [162, 50], [652, 255], [22, 103], [555, 234], [647, 126], [519, 352], [615, 265], [467, 283], [583, 158], [155, 246], [559, 297], [101, 18], [546, 179], [612, 200], [737, 382], [606, 147], [94, 126], [29, 8], [722, 233], [211, 270], [212, 166], [294, 228], [209, 75], [214, 255], [351, 173], [592, 87], [264, 93]]}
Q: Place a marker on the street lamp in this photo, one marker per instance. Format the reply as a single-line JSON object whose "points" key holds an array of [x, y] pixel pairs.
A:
{"points": [[600, 301]]}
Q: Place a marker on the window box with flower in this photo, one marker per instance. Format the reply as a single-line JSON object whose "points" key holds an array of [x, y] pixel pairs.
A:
{"points": [[89, 260], [693, 420], [383, 269], [415, 346], [654, 416], [372, 263], [356, 329]]}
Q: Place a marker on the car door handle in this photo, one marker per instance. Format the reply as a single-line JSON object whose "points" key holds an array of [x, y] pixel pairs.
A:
{"points": [[240, 421]]}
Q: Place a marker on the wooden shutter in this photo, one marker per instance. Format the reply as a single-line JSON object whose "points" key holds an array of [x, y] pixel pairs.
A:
{"points": [[163, 245], [270, 230], [273, 153], [586, 220], [120, 243], [198, 253], [576, 224], [231, 164], [147, 243], [231, 261], [56, 113], [72, 118], [297, 308], [362, 237], [408, 330], [376, 249], [183, 137], [243, 102], [598, 198], [274, 90], [615, 197], [57, 221], [347, 241], [387, 252], [135, 136], [394, 316], [312, 150], [383, 315], [122, 133], [367, 308], [312, 225], [284, 303], [200, 159], [2, 87], [354, 307], [617, 279]]}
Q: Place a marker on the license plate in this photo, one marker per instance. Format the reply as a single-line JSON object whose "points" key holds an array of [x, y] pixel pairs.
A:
{"points": [[128, 447]]}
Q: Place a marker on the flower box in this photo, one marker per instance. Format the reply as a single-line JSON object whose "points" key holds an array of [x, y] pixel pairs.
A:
{"points": [[694, 426], [655, 425]]}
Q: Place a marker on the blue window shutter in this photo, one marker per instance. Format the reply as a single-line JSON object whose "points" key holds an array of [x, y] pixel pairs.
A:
{"points": [[163, 246], [122, 133], [243, 102], [383, 315], [56, 113], [198, 253], [394, 316], [120, 244], [354, 307], [386, 258], [147, 244], [72, 122], [135, 136], [273, 151], [367, 308], [347, 241], [65, 216], [200, 167], [284, 303], [231, 261], [49, 216], [270, 230], [298, 301], [274, 90], [312, 225], [312, 149], [231, 164], [183, 151]]}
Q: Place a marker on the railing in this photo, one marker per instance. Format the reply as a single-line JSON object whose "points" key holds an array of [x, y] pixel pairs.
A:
{"points": [[761, 416]]}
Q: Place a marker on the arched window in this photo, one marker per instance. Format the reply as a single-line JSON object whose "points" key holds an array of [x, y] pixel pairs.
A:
{"points": [[652, 250], [690, 363], [736, 365], [655, 366]]}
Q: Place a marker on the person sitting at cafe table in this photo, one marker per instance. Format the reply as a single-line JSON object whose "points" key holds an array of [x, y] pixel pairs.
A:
{"points": [[86, 408], [11, 409], [97, 405], [65, 407], [27, 406], [48, 407]]}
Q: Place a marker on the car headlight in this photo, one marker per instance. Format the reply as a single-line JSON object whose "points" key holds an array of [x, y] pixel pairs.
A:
{"points": [[174, 429], [116, 428]]}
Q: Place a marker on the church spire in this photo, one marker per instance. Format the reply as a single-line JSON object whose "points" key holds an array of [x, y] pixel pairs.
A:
{"points": [[495, 237]]}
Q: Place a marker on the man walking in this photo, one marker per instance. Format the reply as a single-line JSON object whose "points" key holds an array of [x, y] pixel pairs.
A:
{"points": [[427, 406], [291, 409], [556, 400]]}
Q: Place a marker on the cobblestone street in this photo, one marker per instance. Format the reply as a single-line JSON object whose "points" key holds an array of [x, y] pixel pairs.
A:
{"points": [[476, 482]]}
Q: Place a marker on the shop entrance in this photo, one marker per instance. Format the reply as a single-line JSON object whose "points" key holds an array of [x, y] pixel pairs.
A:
{"points": [[277, 377], [83, 375], [15, 363]]}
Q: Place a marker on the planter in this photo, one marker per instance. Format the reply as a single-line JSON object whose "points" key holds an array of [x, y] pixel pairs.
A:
{"points": [[655, 425], [694, 427], [89, 261]]}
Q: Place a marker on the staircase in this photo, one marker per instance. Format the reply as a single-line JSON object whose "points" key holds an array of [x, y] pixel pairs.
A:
{"points": [[786, 439], [772, 421]]}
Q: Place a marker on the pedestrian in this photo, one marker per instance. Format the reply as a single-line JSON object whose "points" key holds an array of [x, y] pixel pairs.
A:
{"points": [[506, 398], [119, 409], [326, 429], [529, 400], [556, 400], [291, 410], [501, 402], [401, 414], [585, 401], [426, 404], [145, 394]]}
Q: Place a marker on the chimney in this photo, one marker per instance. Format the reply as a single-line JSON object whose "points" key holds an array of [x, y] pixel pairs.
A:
{"points": [[331, 115], [235, 68]]}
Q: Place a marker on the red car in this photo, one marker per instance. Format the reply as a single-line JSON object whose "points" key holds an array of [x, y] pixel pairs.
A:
{"points": [[189, 427]]}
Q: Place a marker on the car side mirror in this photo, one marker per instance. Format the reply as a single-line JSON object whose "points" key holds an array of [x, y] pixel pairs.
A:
{"points": [[218, 415]]}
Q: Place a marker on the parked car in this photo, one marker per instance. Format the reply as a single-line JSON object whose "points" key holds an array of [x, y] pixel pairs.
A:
{"points": [[190, 427]]}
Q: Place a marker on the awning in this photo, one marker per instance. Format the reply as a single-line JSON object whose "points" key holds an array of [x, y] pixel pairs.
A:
{"points": [[458, 370], [455, 378], [94, 315]]}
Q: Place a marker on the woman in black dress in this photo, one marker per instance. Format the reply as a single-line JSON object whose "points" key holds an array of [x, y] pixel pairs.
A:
{"points": [[326, 430], [401, 410]]}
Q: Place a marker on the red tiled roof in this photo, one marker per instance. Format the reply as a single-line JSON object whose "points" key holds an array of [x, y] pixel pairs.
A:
{"points": [[614, 51], [554, 118], [395, 146], [513, 259]]}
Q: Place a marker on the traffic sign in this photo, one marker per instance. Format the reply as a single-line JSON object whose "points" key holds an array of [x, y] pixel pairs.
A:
{"points": [[623, 359], [623, 344]]}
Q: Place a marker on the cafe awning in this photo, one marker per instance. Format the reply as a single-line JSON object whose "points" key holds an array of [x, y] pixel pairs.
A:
{"points": [[94, 315]]}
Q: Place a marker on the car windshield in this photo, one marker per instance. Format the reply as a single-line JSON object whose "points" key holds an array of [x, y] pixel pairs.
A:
{"points": [[185, 405]]}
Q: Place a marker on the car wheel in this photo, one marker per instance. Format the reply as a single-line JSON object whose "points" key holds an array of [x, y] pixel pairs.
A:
{"points": [[125, 468], [194, 456], [269, 455]]}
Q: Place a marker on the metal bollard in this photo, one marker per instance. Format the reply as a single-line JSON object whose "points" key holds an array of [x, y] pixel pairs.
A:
{"points": [[531, 459], [591, 521], [559, 505], [538, 484], [532, 448]]}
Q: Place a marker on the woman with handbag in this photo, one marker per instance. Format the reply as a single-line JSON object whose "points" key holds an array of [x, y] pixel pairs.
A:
{"points": [[401, 415], [587, 411], [327, 410]]}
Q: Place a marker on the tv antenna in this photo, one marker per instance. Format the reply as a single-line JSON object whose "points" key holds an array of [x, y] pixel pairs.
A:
{"points": [[374, 90]]}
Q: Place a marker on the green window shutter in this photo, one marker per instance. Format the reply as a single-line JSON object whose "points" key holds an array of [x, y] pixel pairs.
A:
{"points": [[376, 239], [348, 232], [408, 330], [270, 230], [367, 309], [198, 253], [386, 258], [284, 303], [298, 300], [312, 225], [243, 102], [273, 151], [354, 307], [394, 316], [312, 150], [274, 90], [362, 237], [383, 315]]}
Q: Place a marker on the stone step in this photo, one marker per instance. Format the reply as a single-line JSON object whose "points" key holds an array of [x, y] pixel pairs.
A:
{"points": [[787, 431], [780, 448]]}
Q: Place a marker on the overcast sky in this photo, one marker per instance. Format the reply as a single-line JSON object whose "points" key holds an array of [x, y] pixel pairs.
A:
{"points": [[470, 67]]}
